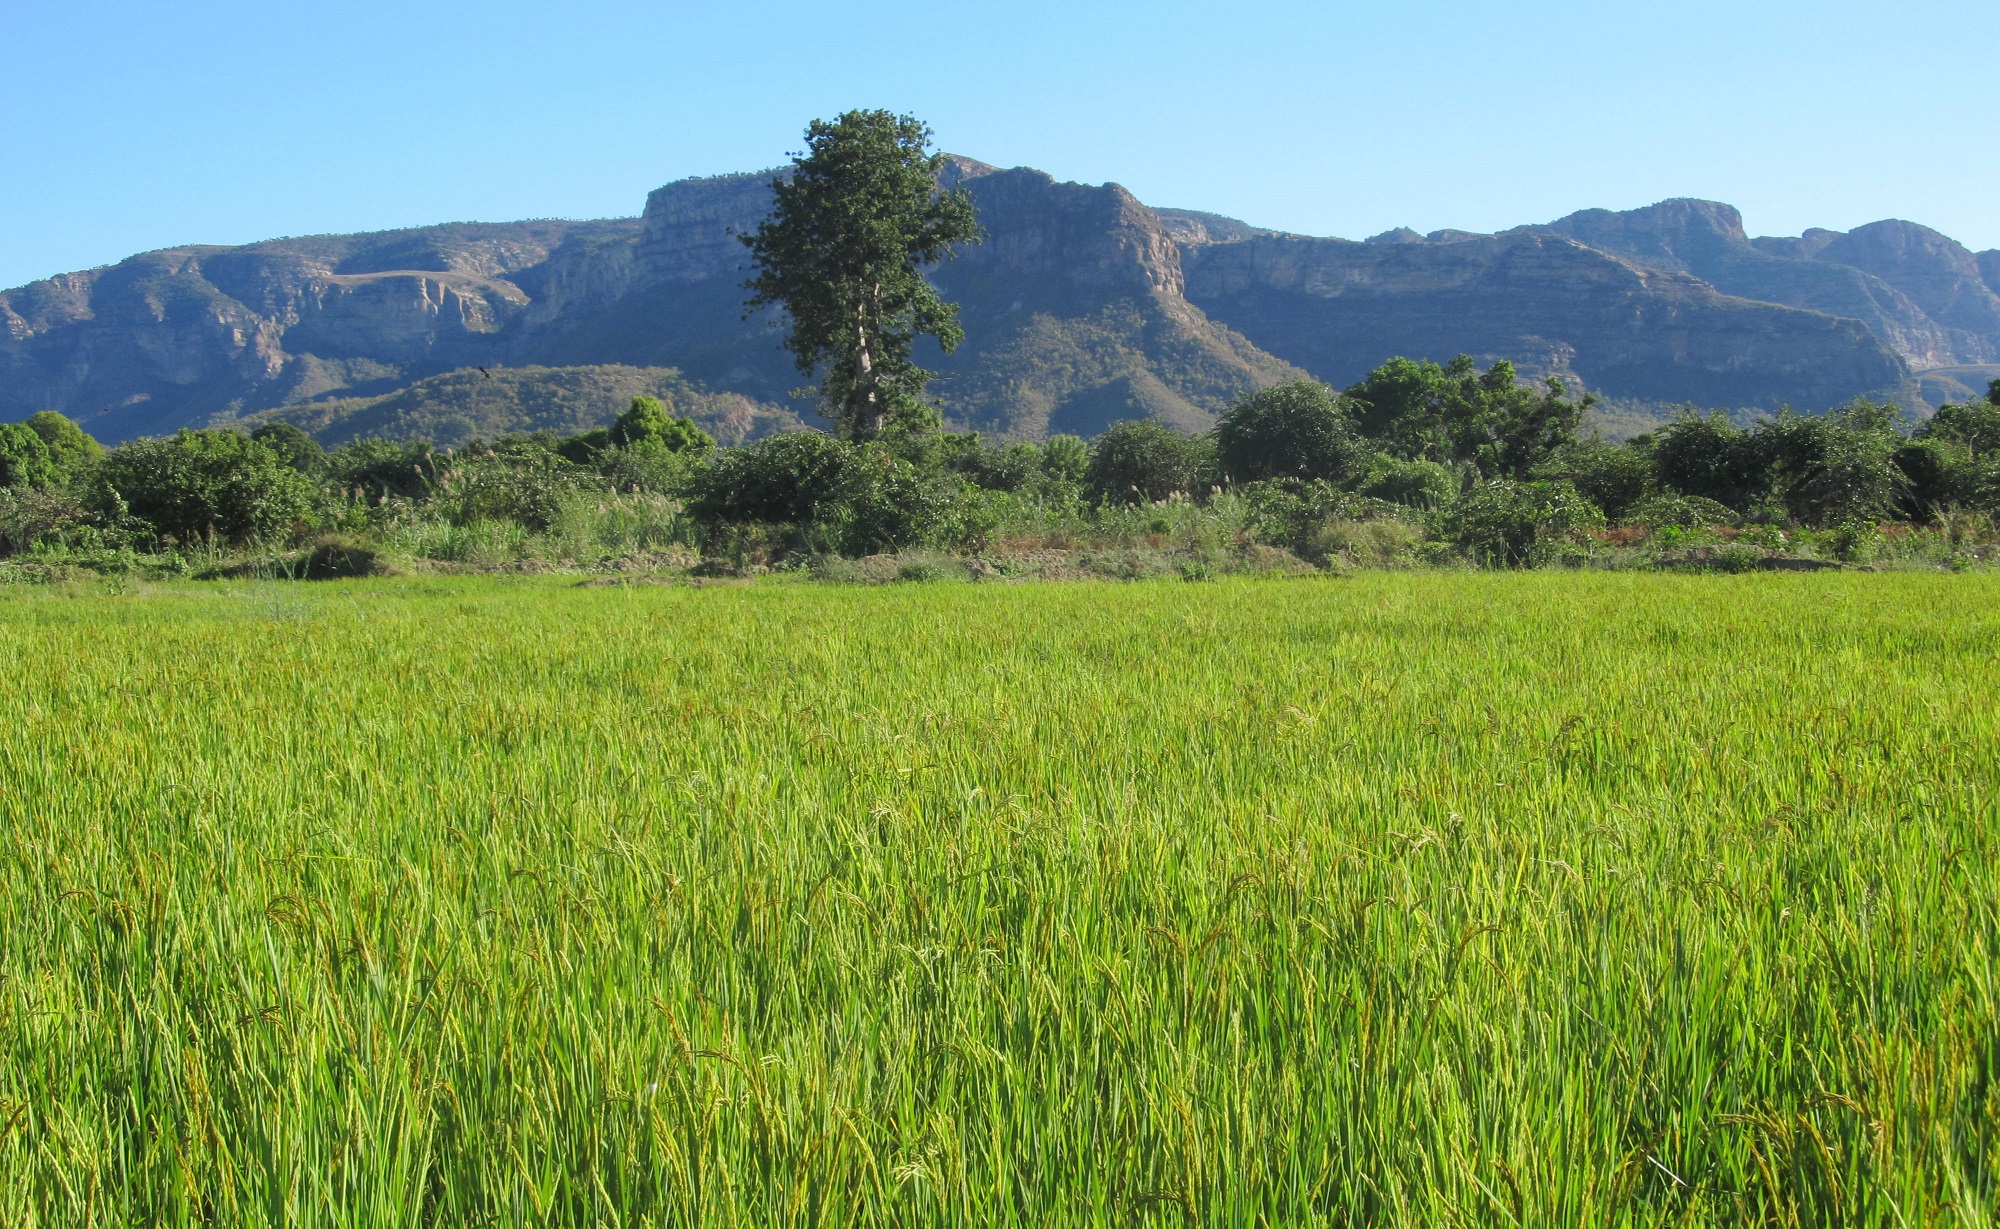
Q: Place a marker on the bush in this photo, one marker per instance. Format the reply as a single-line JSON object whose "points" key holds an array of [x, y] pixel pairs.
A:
{"points": [[1066, 458], [71, 449], [795, 479], [205, 484], [1144, 461], [1834, 469], [1294, 430], [376, 470], [293, 446], [30, 517], [852, 498], [1300, 516], [647, 424], [1616, 479], [1518, 522], [1679, 512], [1712, 460], [24, 458], [519, 478], [1414, 484], [1381, 543]]}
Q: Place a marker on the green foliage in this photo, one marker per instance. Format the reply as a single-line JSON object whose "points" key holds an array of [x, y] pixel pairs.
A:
{"points": [[377, 470], [71, 449], [518, 478], [648, 424], [1832, 469], [32, 517], [1414, 484], [588, 448], [1615, 478], [1300, 515], [1144, 461], [204, 485], [1458, 415], [293, 446], [843, 252], [1671, 511], [1066, 458], [829, 494], [24, 458], [1518, 523], [1953, 461], [1710, 458], [1294, 430], [1974, 426], [799, 478]]}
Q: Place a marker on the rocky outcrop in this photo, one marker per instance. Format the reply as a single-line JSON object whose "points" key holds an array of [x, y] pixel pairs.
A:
{"points": [[1547, 302], [176, 337], [1935, 272], [1706, 239], [1075, 317], [1082, 306]]}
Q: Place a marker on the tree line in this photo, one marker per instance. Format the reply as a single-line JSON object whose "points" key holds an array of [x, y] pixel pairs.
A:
{"points": [[1500, 471]]}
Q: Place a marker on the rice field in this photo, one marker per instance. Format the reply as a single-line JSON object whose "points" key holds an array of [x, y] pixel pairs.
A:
{"points": [[1496, 899]]}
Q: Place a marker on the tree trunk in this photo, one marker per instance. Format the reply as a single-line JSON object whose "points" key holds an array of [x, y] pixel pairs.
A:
{"points": [[868, 408]]}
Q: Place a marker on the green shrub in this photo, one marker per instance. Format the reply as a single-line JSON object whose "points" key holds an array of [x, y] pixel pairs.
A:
{"points": [[1299, 516], [293, 446], [24, 458], [1679, 512], [797, 479], [376, 470], [589, 449], [647, 423], [1518, 523], [31, 517], [1836, 468], [1066, 458], [1710, 459], [197, 485], [71, 449], [519, 478], [1616, 478], [852, 498], [337, 556], [1143, 461], [1294, 430], [1414, 484]]}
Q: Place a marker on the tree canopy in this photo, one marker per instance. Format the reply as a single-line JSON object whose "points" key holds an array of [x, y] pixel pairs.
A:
{"points": [[843, 252]]}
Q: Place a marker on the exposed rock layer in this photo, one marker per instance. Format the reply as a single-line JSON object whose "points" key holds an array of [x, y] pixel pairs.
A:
{"points": [[1083, 306]]}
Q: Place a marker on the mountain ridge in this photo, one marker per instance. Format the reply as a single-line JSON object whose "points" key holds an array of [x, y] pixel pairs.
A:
{"points": [[1084, 305]]}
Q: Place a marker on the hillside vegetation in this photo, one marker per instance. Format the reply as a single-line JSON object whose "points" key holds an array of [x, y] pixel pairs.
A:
{"points": [[1418, 465], [458, 407]]}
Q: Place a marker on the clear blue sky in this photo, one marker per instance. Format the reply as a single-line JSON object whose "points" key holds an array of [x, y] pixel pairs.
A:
{"points": [[136, 124]]}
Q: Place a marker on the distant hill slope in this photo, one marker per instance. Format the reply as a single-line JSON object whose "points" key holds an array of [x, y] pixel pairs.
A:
{"points": [[458, 406], [1082, 307]]}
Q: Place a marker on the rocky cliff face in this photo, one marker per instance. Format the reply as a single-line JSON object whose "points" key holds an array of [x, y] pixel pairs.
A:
{"points": [[1083, 306], [174, 338], [1547, 302], [1706, 239]]}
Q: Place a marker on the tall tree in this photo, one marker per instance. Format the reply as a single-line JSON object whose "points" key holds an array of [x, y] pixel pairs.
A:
{"points": [[843, 253]]}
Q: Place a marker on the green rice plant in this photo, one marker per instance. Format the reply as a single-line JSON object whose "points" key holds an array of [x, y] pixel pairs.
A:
{"points": [[1593, 899]]}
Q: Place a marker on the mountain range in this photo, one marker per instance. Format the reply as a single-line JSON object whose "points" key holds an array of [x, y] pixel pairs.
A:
{"points": [[1081, 307]]}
